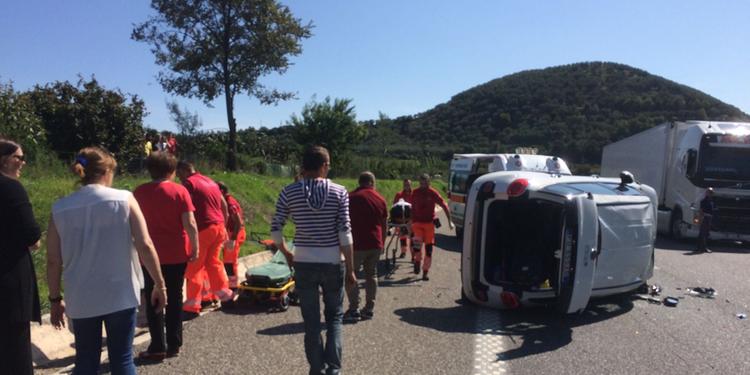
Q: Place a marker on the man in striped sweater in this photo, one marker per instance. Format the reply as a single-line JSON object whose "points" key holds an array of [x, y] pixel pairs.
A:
{"points": [[322, 257]]}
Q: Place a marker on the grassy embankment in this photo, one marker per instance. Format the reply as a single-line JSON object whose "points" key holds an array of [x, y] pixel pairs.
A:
{"points": [[256, 193]]}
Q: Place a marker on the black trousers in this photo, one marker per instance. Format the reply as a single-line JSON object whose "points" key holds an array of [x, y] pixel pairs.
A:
{"points": [[15, 348], [704, 233], [171, 319]]}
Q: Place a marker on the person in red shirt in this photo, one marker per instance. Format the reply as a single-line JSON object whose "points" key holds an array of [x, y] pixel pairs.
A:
{"points": [[168, 210], [369, 216], [423, 204], [236, 232], [210, 215], [172, 144], [404, 194]]}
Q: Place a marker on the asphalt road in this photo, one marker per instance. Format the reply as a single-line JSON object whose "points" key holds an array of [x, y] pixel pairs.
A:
{"points": [[421, 328]]}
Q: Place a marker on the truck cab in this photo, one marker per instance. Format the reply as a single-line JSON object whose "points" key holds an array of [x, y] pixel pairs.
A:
{"points": [[533, 238], [466, 168], [680, 160]]}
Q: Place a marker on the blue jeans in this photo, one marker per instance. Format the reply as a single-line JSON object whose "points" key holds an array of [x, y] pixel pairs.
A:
{"points": [[120, 328], [310, 279]]}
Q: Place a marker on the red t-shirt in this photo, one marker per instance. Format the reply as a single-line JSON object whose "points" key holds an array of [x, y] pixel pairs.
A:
{"points": [[402, 195], [163, 204], [423, 203], [206, 198], [368, 213], [234, 207]]}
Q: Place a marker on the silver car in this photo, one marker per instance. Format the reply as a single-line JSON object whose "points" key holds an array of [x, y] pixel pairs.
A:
{"points": [[533, 238]]}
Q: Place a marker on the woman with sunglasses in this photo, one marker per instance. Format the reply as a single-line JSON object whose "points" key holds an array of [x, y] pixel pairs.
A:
{"points": [[19, 234]]}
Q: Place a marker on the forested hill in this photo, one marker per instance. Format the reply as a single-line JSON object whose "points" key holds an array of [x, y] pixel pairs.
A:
{"points": [[571, 111]]}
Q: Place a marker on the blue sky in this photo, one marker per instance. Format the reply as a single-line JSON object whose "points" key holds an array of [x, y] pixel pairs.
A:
{"points": [[396, 57]]}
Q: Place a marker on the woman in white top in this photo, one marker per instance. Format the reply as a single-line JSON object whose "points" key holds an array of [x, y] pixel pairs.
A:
{"points": [[94, 241]]}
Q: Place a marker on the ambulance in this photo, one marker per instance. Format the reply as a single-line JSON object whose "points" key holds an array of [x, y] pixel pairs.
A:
{"points": [[466, 168], [548, 239]]}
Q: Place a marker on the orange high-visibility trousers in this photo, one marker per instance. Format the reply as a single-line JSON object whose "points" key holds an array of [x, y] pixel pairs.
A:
{"points": [[424, 234], [231, 257], [211, 239]]}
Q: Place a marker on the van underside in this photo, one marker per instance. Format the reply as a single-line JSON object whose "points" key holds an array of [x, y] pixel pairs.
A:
{"points": [[523, 241]]}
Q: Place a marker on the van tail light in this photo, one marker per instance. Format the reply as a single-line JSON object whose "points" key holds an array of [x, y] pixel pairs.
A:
{"points": [[517, 187], [510, 300]]}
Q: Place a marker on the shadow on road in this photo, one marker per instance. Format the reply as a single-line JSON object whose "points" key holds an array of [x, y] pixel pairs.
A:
{"points": [[544, 329], [456, 319], [286, 329], [540, 329], [689, 245], [448, 243]]}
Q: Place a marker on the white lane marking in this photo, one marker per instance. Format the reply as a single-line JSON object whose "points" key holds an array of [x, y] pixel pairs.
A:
{"points": [[488, 344]]}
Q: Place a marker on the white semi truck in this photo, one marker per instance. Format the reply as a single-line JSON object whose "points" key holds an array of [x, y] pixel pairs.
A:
{"points": [[680, 160]]}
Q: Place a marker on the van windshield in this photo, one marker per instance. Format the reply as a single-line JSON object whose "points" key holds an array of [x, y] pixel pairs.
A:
{"points": [[458, 182]]}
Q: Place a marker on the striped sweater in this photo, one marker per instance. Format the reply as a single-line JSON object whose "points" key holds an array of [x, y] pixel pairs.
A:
{"points": [[320, 211]]}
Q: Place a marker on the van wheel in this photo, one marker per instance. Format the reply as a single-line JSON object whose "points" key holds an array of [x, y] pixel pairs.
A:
{"points": [[675, 226]]}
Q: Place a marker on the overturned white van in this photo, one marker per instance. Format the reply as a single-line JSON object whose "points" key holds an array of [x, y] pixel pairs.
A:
{"points": [[533, 238]]}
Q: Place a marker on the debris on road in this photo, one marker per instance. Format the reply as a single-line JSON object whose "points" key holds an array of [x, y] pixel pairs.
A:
{"points": [[671, 301], [741, 316], [652, 300], [702, 292], [654, 290]]}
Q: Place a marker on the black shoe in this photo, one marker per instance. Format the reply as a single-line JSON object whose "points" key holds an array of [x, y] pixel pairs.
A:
{"points": [[351, 317], [365, 314], [417, 268], [402, 256], [173, 353], [189, 315], [424, 277]]}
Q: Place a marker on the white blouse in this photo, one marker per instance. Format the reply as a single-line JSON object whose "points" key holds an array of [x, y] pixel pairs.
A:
{"points": [[101, 270]]}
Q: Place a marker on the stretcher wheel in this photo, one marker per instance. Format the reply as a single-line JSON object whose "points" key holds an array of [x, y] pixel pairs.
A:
{"points": [[284, 302]]}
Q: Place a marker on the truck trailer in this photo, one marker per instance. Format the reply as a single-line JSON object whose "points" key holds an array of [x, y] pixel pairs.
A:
{"points": [[680, 160]]}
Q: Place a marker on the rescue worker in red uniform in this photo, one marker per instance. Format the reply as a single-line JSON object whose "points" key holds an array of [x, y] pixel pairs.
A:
{"points": [[236, 232], [210, 216], [404, 194], [423, 217]]}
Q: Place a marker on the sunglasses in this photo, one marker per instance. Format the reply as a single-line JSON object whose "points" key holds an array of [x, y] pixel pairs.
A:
{"points": [[19, 157]]}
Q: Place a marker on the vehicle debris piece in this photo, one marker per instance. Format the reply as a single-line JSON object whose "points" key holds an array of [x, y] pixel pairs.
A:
{"points": [[702, 292], [671, 302], [654, 290]]}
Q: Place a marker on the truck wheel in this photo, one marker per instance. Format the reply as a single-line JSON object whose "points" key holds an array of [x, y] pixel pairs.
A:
{"points": [[675, 226]]}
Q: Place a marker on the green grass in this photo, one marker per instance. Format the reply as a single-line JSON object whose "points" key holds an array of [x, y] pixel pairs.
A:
{"points": [[257, 194]]}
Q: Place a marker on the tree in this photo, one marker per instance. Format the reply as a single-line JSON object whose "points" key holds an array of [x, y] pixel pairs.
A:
{"points": [[188, 125], [18, 120], [88, 114], [222, 47], [329, 124]]}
